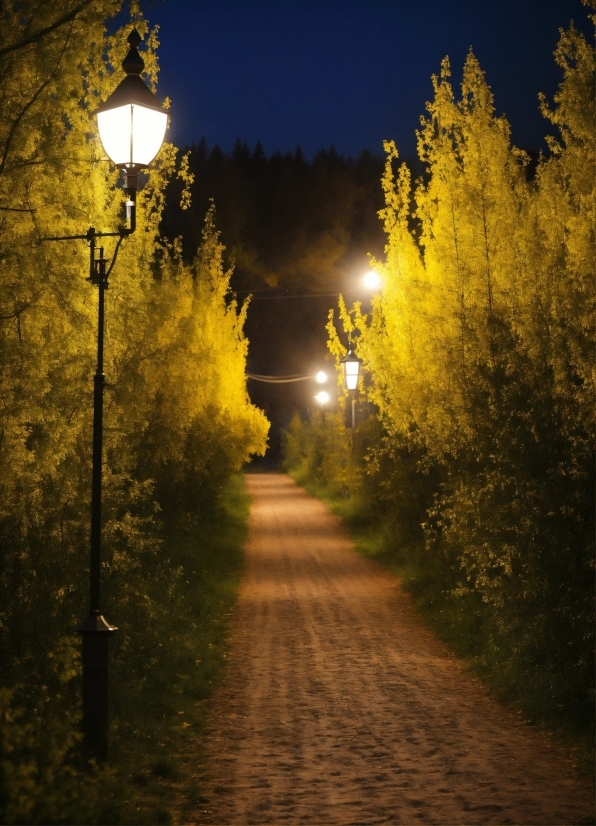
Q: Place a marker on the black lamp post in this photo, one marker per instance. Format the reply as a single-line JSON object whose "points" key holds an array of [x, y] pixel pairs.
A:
{"points": [[351, 370], [132, 125]]}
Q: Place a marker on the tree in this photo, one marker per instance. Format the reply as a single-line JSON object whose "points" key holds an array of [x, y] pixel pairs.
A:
{"points": [[480, 350], [176, 406]]}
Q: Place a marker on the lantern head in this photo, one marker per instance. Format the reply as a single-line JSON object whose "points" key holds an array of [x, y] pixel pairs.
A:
{"points": [[351, 368], [132, 122]]}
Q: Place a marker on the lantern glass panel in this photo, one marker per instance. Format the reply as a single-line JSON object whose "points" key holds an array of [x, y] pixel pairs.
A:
{"points": [[132, 135], [352, 369]]}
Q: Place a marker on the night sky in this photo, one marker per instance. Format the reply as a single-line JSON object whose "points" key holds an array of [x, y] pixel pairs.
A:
{"points": [[351, 73]]}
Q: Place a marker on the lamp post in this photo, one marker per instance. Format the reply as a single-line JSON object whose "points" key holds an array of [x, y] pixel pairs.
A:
{"points": [[132, 125], [351, 370]]}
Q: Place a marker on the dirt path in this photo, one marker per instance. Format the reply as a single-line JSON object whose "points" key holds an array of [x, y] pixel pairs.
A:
{"points": [[339, 707]]}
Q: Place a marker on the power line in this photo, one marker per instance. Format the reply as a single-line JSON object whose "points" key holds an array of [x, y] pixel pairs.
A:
{"points": [[306, 295], [278, 379]]}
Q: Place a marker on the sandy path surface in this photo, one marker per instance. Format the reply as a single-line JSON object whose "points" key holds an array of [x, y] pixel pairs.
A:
{"points": [[340, 707]]}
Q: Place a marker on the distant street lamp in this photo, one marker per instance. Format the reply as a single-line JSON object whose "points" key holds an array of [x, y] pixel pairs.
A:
{"points": [[322, 398], [351, 370], [321, 377], [372, 280], [132, 125]]}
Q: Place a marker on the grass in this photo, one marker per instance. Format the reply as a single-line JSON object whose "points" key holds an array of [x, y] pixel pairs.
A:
{"points": [[465, 624], [160, 689]]}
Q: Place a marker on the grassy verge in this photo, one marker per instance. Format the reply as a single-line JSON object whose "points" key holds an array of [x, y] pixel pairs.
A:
{"points": [[171, 598], [465, 624], [166, 665]]}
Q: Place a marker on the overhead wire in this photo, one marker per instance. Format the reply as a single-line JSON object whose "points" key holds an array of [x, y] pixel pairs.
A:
{"points": [[279, 379]]}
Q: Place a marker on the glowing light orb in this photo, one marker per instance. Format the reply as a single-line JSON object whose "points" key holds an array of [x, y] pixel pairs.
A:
{"points": [[322, 397], [321, 377], [372, 280]]}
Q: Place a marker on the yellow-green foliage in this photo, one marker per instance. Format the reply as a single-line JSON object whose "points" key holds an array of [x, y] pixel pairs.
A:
{"points": [[200, 425], [176, 409], [320, 450], [480, 349], [39, 783]]}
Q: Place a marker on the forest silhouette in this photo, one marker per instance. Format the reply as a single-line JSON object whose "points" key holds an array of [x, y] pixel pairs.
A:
{"points": [[298, 233]]}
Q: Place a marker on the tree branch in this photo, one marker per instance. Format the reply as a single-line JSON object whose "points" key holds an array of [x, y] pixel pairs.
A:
{"points": [[37, 36], [30, 103], [16, 313], [17, 209]]}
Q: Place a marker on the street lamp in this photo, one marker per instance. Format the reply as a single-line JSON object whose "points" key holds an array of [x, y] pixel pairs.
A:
{"points": [[132, 126], [322, 397], [351, 370]]}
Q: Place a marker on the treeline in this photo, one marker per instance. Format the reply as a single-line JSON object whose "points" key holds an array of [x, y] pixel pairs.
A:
{"points": [[292, 227], [286, 221], [177, 418], [479, 356]]}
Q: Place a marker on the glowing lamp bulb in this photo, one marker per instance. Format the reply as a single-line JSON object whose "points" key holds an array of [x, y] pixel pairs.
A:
{"points": [[372, 280], [322, 397], [321, 377], [132, 134]]}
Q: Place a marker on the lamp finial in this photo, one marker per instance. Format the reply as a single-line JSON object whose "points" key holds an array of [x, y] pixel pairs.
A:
{"points": [[133, 63]]}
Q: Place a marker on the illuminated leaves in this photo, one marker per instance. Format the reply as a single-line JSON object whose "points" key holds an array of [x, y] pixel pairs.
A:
{"points": [[177, 419], [480, 349]]}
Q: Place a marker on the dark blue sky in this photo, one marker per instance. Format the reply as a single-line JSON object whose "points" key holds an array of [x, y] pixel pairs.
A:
{"points": [[352, 72]]}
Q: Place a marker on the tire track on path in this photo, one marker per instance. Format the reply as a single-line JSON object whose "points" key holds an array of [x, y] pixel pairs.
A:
{"points": [[339, 707]]}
